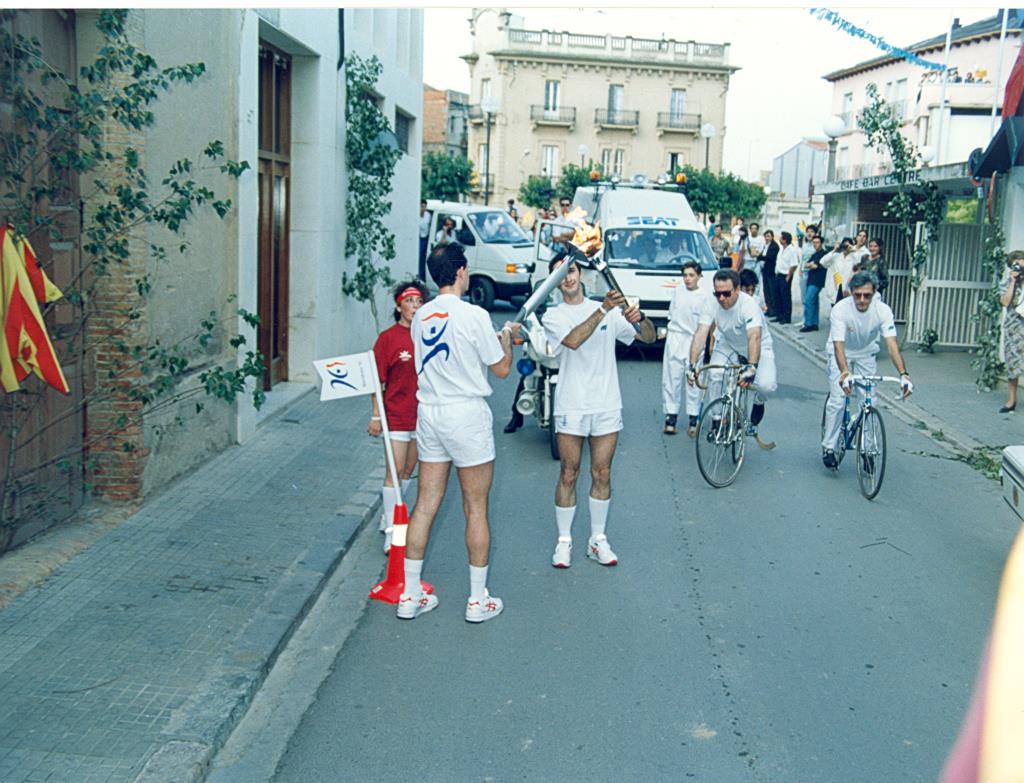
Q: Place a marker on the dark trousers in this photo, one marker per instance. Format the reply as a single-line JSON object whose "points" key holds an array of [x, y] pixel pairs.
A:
{"points": [[768, 286], [423, 259], [783, 299]]}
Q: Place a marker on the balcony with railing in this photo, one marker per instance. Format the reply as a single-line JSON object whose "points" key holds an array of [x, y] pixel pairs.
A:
{"points": [[563, 116], [482, 183], [475, 113], [663, 50], [617, 119], [678, 122]]}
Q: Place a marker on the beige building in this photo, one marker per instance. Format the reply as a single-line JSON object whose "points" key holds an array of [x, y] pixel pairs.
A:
{"points": [[634, 105], [952, 118]]}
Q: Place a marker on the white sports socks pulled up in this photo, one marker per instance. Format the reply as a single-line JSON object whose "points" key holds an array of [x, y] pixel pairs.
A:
{"points": [[477, 582], [598, 515], [563, 518], [390, 498], [413, 569]]}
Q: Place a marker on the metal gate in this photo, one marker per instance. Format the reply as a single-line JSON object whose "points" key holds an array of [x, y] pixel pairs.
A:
{"points": [[897, 295], [954, 283]]}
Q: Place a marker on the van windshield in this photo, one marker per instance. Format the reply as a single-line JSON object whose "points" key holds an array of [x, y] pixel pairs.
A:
{"points": [[657, 248], [497, 228]]}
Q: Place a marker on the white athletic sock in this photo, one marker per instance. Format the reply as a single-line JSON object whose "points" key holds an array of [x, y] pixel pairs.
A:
{"points": [[598, 516], [563, 518], [413, 569], [406, 483], [390, 497], [477, 582]]}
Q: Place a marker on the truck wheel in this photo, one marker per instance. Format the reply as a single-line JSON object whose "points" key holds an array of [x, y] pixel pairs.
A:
{"points": [[481, 292]]}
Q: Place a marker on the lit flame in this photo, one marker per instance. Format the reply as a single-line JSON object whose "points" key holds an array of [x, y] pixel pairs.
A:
{"points": [[587, 236]]}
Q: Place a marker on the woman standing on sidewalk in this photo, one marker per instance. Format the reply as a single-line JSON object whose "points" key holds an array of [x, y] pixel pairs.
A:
{"points": [[1013, 326], [874, 263], [396, 369]]}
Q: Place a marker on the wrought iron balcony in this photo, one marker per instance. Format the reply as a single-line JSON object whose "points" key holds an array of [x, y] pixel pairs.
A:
{"points": [[563, 115], [617, 118], [678, 121], [482, 183]]}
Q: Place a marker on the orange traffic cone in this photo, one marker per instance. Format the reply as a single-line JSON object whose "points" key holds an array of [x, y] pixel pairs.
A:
{"points": [[390, 590]]}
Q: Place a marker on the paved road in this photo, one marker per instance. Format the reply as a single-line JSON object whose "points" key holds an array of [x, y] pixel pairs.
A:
{"points": [[781, 629]]}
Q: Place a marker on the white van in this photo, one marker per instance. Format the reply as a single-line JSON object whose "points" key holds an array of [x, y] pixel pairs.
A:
{"points": [[647, 234], [500, 253]]}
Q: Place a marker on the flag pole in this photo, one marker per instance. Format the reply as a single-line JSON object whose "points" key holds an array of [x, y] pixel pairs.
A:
{"points": [[388, 450]]}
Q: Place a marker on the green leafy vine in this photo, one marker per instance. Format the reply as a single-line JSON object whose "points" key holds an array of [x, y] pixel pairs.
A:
{"points": [[987, 362]]}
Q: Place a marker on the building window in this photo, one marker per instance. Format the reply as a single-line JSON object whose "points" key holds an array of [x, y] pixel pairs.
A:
{"points": [[620, 156], [678, 104], [482, 158], [549, 161], [551, 95], [614, 99], [847, 114], [403, 125], [606, 161], [675, 161], [485, 88]]}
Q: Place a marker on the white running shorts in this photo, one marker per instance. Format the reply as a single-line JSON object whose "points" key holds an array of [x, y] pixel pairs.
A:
{"points": [[461, 433], [402, 435], [587, 424]]}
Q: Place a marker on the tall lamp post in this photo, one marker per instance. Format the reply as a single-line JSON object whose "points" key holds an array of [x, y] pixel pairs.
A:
{"points": [[489, 106], [833, 127], [707, 132]]}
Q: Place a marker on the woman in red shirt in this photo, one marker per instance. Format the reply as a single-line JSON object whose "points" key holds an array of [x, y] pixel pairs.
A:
{"points": [[394, 355]]}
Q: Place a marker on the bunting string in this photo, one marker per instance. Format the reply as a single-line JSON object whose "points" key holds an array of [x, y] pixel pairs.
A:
{"points": [[834, 19]]}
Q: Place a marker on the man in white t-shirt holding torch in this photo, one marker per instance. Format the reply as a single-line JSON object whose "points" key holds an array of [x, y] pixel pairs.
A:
{"points": [[855, 325], [454, 345], [588, 404]]}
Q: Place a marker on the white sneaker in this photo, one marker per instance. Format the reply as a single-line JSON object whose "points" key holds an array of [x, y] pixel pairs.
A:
{"points": [[410, 607], [387, 539], [482, 611], [563, 553], [383, 524], [598, 549]]}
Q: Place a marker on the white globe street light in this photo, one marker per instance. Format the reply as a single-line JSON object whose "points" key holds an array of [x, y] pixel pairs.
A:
{"points": [[927, 154], [834, 127], [582, 150]]}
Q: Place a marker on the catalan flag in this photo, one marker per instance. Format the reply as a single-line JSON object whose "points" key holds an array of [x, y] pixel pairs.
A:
{"points": [[26, 347]]}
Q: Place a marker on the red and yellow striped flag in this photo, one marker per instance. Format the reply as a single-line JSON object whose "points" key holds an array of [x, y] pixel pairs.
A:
{"points": [[26, 345]]}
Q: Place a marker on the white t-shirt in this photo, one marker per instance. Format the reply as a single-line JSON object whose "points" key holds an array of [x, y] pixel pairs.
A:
{"points": [[685, 308], [756, 245], [731, 325], [588, 378], [859, 332], [787, 259], [424, 225], [454, 343]]}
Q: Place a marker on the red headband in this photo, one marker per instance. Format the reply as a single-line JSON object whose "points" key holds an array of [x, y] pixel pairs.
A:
{"points": [[410, 291]]}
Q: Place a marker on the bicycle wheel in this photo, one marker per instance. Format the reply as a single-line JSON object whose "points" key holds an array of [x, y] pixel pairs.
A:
{"points": [[870, 453], [716, 432], [840, 449]]}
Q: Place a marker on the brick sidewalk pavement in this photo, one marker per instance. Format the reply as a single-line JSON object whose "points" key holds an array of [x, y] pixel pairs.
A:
{"points": [[137, 657]]}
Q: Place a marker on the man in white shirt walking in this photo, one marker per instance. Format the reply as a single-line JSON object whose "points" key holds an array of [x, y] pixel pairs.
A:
{"points": [[688, 301], [588, 405], [454, 344], [856, 323], [741, 337], [786, 265]]}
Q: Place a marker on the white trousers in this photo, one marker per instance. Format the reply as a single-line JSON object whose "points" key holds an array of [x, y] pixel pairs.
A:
{"points": [[674, 364], [836, 397]]}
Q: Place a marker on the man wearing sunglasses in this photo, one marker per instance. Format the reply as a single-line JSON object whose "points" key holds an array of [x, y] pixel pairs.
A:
{"points": [[740, 338], [856, 323]]}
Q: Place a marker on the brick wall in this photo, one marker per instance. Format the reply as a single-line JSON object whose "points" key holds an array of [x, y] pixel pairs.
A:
{"points": [[435, 118]]}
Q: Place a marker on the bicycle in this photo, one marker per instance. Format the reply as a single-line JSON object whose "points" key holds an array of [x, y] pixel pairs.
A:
{"points": [[722, 428], [866, 433]]}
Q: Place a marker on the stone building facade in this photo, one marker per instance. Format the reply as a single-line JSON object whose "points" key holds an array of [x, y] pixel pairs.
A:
{"points": [[633, 105]]}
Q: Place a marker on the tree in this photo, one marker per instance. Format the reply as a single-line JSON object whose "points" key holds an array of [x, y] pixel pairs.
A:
{"points": [[59, 129], [711, 194], [445, 177], [573, 177], [372, 163], [537, 192]]}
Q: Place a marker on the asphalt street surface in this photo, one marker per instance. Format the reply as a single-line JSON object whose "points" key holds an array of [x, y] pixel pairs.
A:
{"points": [[782, 629]]}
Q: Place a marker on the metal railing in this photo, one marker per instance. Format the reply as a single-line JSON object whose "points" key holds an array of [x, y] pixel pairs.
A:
{"points": [[563, 115], [668, 120], [483, 182], [475, 113], [663, 49], [617, 118]]}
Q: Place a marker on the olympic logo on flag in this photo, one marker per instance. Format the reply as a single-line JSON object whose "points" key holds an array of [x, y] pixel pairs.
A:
{"points": [[432, 336], [338, 376]]}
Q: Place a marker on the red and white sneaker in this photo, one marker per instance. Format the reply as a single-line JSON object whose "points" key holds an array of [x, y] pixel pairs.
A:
{"points": [[562, 558], [598, 549], [482, 611], [410, 607]]}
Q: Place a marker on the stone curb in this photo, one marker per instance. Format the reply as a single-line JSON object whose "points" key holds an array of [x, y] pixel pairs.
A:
{"points": [[958, 443], [181, 761]]}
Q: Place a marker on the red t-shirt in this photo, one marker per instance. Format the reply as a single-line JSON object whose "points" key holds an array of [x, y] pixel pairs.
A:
{"points": [[397, 371]]}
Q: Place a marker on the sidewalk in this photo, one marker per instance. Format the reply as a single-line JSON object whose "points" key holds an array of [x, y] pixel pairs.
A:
{"points": [[137, 657], [946, 403]]}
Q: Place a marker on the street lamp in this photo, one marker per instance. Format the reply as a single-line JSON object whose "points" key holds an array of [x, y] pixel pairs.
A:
{"points": [[707, 131], [833, 127], [489, 106], [927, 154], [583, 150]]}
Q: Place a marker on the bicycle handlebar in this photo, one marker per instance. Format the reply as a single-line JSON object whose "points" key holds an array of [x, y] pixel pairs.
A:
{"points": [[706, 367]]}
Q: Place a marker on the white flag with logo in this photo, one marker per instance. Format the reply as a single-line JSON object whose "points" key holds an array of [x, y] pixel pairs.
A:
{"points": [[346, 376]]}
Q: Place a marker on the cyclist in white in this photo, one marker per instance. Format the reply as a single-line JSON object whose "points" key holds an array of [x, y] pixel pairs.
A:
{"points": [[856, 324], [454, 344], [688, 301], [741, 337], [588, 404]]}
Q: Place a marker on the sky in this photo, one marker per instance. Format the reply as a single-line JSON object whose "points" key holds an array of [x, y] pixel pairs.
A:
{"points": [[778, 96]]}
